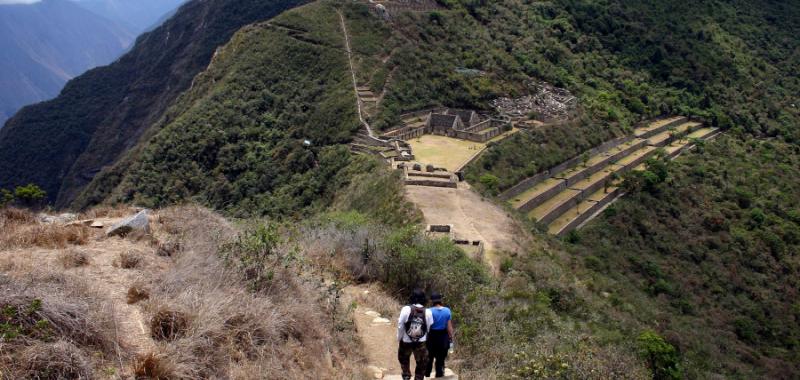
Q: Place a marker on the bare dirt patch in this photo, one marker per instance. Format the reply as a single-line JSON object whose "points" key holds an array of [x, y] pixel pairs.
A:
{"points": [[472, 217]]}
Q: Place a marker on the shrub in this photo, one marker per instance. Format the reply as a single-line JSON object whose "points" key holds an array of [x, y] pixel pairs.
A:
{"points": [[73, 258], [153, 366], [30, 194], [6, 197], [490, 183], [137, 293], [130, 260], [662, 357], [168, 325]]}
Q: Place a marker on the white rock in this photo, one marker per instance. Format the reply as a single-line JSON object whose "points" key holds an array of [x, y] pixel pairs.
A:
{"points": [[97, 224], [373, 313], [381, 321], [138, 222]]}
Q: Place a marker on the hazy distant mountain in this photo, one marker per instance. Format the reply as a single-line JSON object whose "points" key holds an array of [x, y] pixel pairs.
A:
{"points": [[140, 15], [45, 44]]}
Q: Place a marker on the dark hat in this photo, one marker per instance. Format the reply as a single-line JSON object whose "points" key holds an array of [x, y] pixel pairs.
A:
{"points": [[436, 297], [418, 296]]}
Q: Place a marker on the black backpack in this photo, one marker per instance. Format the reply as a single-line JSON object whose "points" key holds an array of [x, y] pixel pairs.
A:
{"points": [[416, 325]]}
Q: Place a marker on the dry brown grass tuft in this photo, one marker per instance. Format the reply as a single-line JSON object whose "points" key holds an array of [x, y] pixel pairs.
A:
{"points": [[61, 327], [17, 215], [33, 234], [137, 293], [130, 260], [168, 248], [153, 366], [58, 360], [168, 325], [288, 330], [73, 258], [117, 211]]}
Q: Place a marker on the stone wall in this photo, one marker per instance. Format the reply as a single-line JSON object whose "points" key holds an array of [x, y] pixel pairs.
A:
{"points": [[527, 183], [541, 198], [588, 214], [561, 209]]}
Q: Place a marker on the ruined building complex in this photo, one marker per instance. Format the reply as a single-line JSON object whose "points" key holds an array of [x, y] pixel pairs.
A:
{"points": [[451, 122]]}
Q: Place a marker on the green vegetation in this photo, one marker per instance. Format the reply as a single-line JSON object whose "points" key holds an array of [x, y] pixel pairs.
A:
{"points": [[60, 144], [29, 195], [730, 63], [712, 255], [235, 142]]}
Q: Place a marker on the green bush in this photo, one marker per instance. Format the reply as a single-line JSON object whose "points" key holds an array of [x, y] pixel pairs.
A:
{"points": [[663, 358]]}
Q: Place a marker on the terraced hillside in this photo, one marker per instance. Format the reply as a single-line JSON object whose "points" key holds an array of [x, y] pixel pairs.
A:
{"points": [[571, 193]]}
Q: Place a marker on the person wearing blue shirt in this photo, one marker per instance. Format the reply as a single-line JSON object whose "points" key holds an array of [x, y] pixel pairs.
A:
{"points": [[440, 335]]}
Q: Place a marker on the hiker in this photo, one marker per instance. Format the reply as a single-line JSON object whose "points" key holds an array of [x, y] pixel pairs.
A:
{"points": [[412, 332], [440, 335]]}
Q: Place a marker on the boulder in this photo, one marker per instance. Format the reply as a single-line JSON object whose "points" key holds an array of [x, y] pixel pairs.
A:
{"points": [[138, 222], [97, 224]]}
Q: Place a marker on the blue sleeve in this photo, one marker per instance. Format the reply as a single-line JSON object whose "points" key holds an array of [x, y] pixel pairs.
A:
{"points": [[449, 315]]}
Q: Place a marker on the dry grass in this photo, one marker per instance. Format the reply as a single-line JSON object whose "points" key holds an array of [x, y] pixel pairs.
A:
{"points": [[117, 211], [60, 327], [154, 366], [59, 360], [293, 330], [167, 248], [130, 260], [168, 325], [25, 235], [73, 258], [137, 293]]}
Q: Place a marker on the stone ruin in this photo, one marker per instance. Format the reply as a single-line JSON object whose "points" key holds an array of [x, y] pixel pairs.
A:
{"points": [[547, 103], [451, 122]]}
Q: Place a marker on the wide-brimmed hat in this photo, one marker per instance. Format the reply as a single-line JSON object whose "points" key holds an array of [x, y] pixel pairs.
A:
{"points": [[436, 297]]}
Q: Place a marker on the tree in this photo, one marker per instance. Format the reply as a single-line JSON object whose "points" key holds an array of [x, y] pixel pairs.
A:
{"points": [[30, 194]]}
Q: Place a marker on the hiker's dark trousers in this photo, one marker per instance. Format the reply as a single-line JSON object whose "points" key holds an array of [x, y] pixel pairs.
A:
{"points": [[420, 356], [438, 343]]}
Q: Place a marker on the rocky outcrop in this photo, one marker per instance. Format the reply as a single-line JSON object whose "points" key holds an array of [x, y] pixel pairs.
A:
{"points": [[138, 222]]}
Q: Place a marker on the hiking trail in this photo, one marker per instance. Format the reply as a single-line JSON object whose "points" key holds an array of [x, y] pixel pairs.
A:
{"points": [[378, 333]]}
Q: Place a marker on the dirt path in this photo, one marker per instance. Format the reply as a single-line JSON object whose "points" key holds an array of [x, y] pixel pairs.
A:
{"points": [[378, 333], [353, 74]]}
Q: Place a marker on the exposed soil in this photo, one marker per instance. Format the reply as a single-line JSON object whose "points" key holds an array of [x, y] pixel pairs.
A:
{"points": [[472, 217]]}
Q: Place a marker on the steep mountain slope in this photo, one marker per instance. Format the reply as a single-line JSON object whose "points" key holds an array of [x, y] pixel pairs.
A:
{"points": [[235, 140], [139, 14], [711, 258], [45, 44], [62, 143]]}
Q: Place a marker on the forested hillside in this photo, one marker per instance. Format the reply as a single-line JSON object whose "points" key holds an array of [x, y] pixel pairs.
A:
{"points": [[261, 131], [693, 274], [731, 63], [61, 144], [710, 257]]}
